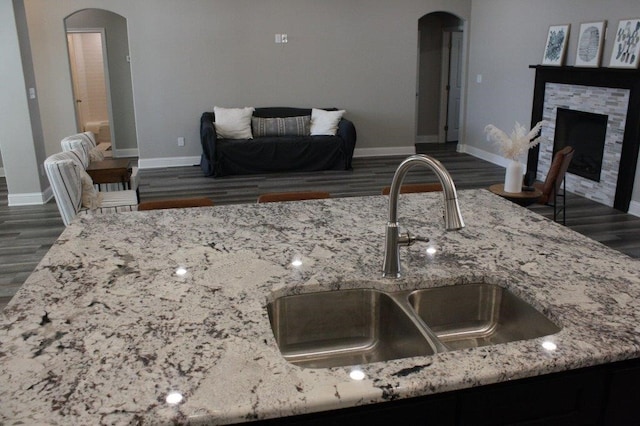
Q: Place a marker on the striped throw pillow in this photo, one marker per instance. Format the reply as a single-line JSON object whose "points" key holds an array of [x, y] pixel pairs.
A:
{"points": [[281, 126]]}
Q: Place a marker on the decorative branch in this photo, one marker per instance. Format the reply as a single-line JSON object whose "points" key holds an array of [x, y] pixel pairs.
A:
{"points": [[518, 143]]}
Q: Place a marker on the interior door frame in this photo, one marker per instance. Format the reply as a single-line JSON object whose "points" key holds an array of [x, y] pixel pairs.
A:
{"points": [[445, 77], [454, 103], [416, 107], [74, 82], [444, 81], [107, 80]]}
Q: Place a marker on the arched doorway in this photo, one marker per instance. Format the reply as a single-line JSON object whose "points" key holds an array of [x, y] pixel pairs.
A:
{"points": [[440, 76], [99, 63]]}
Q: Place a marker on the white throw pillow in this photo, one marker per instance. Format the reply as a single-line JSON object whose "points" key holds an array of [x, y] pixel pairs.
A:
{"points": [[233, 123], [325, 122], [91, 198], [95, 154]]}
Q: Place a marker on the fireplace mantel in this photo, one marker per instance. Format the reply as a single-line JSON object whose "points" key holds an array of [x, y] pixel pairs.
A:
{"points": [[598, 77]]}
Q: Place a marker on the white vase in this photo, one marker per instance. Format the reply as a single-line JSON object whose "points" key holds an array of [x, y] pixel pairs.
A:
{"points": [[513, 177]]}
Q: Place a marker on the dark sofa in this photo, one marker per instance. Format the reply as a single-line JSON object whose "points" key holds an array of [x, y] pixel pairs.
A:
{"points": [[222, 157]]}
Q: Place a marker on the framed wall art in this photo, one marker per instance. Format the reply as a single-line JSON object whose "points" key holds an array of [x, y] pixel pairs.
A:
{"points": [[626, 44], [591, 39], [556, 46]]}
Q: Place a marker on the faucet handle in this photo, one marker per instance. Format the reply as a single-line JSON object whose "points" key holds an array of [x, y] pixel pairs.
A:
{"points": [[406, 239]]}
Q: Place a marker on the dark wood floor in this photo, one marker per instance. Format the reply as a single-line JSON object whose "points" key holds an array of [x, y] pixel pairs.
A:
{"points": [[26, 233]]}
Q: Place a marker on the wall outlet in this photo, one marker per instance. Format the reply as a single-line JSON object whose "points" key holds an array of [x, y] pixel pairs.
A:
{"points": [[285, 38], [180, 141]]}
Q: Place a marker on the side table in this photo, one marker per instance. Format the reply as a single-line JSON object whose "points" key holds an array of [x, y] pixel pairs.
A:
{"points": [[522, 198], [111, 170]]}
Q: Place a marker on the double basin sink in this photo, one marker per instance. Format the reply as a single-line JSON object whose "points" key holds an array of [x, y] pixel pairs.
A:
{"points": [[360, 326]]}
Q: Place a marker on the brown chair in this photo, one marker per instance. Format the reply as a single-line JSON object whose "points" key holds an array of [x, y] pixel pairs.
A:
{"points": [[411, 188], [553, 189], [273, 197], [178, 203]]}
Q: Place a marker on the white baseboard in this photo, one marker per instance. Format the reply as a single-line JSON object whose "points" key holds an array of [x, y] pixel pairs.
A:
{"points": [[634, 208], [30, 199], [483, 155], [384, 152], [427, 139], [132, 152], [157, 163]]}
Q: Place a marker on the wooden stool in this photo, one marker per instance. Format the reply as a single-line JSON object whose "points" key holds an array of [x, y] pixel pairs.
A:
{"points": [[292, 196], [178, 203], [522, 198]]}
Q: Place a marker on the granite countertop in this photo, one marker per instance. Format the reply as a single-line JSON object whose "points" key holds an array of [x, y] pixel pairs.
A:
{"points": [[108, 330]]}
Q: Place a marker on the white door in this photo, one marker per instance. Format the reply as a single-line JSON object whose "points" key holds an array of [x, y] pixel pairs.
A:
{"points": [[455, 87]]}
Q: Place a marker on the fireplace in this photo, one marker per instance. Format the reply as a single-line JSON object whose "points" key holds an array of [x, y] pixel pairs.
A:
{"points": [[609, 100], [585, 132]]}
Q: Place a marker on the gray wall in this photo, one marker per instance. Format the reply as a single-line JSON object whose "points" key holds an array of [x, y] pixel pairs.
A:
{"points": [[506, 36], [117, 44], [21, 139], [188, 56]]}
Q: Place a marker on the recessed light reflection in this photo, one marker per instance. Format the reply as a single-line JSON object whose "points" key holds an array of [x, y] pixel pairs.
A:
{"points": [[174, 398], [431, 250], [549, 345], [296, 262], [357, 374], [181, 271]]}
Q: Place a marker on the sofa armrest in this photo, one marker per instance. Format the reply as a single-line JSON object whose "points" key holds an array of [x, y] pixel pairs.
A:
{"points": [[347, 131], [208, 139]]}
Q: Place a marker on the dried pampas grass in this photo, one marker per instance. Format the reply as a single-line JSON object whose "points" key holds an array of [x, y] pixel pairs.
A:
{"points": [[516, 145]]}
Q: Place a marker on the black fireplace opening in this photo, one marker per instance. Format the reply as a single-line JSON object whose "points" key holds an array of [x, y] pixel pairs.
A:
{"points": [[585, 132]]}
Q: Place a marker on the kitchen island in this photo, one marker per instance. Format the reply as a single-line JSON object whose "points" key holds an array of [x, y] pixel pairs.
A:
{"points": [[160, 317]]}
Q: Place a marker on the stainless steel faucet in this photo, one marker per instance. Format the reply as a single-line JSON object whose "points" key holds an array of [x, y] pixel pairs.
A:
{"points": [[394, 239]]}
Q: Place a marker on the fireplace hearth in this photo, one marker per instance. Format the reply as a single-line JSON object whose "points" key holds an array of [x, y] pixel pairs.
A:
{"points": [[607, 95]]}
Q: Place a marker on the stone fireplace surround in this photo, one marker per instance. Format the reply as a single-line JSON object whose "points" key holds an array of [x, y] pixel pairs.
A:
{"points": [[612, 102], [613, 92]]}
